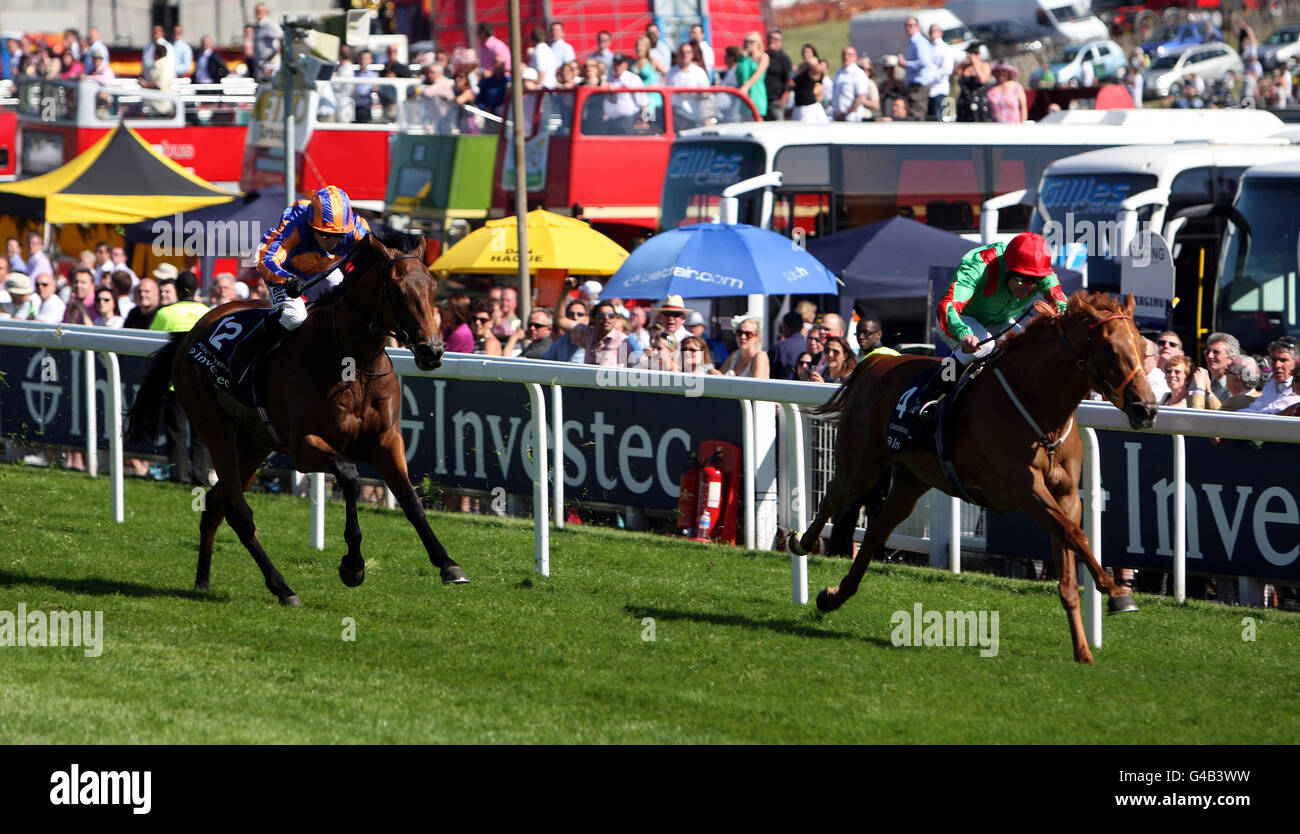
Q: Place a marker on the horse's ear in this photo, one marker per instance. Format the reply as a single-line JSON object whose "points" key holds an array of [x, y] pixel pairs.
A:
{"points": [[421, 247], [1130, 304], [381, 249]]}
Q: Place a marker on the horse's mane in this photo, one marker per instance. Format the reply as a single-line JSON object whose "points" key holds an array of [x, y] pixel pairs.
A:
{"points": [[1083, 305], [362, 260]]}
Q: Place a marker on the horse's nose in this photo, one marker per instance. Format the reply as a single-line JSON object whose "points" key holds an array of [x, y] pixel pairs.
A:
{"points": [[427, 356]]}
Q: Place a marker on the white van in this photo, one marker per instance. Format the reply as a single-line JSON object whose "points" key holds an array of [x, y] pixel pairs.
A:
{"points": [[1064, 21], [879, 33]]}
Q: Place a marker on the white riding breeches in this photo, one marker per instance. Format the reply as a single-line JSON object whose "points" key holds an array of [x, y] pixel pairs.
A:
{"points": [[980, 332]]}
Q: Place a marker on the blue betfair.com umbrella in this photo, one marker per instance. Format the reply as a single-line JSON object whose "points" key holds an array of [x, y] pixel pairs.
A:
{"points": [[711, 260]]}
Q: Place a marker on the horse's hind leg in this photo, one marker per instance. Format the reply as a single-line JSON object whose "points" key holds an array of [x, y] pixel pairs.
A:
{"points": [[352, 568], [850, 482], [906, 490], [390, 460], [214, 511]]}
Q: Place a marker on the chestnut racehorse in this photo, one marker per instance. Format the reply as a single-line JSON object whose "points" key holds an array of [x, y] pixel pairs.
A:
{"points": [[1003, 463], [331, 393]]}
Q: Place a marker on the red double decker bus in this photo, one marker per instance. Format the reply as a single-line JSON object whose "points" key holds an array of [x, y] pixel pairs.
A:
{"points": [[201, 129], [601, 153]]}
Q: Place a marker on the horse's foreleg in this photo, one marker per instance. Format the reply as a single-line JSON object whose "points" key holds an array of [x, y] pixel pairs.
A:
{"points": [[1069, 590], [390, 460], [318, 454], [1070, 508], [905, 491]]}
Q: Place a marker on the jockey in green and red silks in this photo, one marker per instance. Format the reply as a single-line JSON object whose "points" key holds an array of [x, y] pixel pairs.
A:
{"points": [[313, 237], [994, 285]]}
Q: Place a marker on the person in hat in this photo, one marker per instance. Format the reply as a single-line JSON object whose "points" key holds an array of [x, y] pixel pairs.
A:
{"points": [[992, 289], [1007, 98], [671, 316], [188, 456], [696, 327], [20, 306], [312, 239]]}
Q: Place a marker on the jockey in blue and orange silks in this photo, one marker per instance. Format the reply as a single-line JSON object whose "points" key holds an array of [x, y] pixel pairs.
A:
{"points": [[312, 238]]}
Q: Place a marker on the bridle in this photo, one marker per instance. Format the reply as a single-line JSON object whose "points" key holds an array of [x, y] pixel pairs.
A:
{"points": [[1113, 393], [373, 322]]}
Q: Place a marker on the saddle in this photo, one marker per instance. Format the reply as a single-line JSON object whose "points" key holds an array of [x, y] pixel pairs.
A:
{"points": [[214, 354], [908, 431]]}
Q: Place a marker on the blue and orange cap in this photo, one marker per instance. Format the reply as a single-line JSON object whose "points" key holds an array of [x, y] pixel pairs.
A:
{"points": [[331, 212]]}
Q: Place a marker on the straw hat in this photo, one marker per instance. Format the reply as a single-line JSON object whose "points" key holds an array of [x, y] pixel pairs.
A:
{"points": [[18, 284], [166, 272], [1003, 66], [673, 304]]}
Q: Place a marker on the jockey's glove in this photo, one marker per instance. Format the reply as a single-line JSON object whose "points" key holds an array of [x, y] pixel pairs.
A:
{"points": [[293, 287]]}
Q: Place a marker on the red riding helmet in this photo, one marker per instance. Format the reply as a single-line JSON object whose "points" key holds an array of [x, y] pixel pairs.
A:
{"points": [[1027, 254]]}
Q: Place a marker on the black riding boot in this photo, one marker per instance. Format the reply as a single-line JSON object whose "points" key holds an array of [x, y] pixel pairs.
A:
{"points": [[261, 340], [925, 403]]}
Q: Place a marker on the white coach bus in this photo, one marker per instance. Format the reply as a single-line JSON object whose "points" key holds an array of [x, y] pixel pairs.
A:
{"points": [[1094, 203], [1256, 293], [843, 175]]}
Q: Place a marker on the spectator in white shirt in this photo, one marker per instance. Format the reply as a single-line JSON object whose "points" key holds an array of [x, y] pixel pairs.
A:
{"points": [[945, 59], [853, 92], [706, 51], [52, 307], [1279, 394], [560, 48], [622, 109], [182, 53], [658, 46], [603, 52], [543, 59], [687, 73]]}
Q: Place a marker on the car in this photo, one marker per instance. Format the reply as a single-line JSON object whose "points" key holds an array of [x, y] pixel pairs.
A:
{"points": [[1210, 61], [1006, 38], [1107, 61], [1281, 46], [1178, 35]]}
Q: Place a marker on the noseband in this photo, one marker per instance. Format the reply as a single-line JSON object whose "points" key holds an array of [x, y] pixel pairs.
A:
{"points": [[1113, 393], [373, 322]]}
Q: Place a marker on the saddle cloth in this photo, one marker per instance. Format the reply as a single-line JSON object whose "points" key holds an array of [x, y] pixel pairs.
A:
{"points": [[215, 353], [908, 431]]}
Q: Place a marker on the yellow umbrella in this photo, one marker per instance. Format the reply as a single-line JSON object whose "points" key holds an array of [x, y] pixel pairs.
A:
{"points": [[554, 242]]}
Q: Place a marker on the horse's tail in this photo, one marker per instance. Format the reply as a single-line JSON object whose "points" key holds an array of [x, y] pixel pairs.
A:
{"points": [[833, 406], [143, 416]]}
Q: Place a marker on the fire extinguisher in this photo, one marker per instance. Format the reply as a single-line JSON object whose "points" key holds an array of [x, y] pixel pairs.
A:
{"points": [[710, 497], [686, 504]]}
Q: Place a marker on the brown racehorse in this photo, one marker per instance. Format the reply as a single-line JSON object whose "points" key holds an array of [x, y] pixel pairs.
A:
{"points": [[326, 415], [1002, 462]]}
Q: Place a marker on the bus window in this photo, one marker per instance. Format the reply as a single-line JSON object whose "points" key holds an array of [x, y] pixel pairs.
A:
{"points": [[1257, 276], [1192, 187], [557, 114], [812, 212], [696, 177], [1020, 167], [623, 114], [371, 103], [700, 109], [803, 165]]}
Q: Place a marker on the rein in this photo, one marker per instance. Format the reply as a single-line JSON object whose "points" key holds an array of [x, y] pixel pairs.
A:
{"points": [[1115, 394], [372, 322]]}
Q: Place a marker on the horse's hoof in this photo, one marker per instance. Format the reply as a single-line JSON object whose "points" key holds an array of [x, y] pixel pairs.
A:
{"points": [[1122, 603], [352, 578], [824, 603], [454, 576], [796, 546], [202, 586], [291, 601]]}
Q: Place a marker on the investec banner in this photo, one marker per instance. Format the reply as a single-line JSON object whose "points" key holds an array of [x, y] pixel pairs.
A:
{"points": [[620, 447], [1243, 517]]}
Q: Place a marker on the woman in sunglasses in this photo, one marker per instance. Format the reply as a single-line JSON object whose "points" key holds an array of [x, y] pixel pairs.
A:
{"points": [[481, 325], [106, 314], [748, 359], [839, 362], [695, 356]]}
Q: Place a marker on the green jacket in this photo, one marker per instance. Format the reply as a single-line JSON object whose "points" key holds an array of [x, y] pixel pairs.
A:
{"points": [[980, 291]]}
